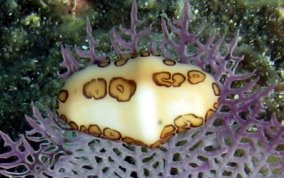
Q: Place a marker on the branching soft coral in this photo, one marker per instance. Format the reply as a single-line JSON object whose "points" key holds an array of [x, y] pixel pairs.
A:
{"points": [[123, 47], [237, 141]]}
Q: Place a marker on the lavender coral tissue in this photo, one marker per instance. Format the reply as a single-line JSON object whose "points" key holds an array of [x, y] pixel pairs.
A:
{"points": [[235, 141]]}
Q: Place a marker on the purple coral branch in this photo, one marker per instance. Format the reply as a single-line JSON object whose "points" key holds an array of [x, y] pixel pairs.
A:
{"points": [[90, 54], [35, 151], [224, 70], [122, 46], [69, 62], [45, 127], [177, 37], [16, 152], [178, 27]]}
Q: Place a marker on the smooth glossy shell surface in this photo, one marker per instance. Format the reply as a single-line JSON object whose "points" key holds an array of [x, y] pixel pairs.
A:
{"points": [[141, 101]]}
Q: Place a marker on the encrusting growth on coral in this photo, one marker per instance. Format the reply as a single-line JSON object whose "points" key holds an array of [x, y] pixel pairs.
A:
{"points": [[237, 141]]}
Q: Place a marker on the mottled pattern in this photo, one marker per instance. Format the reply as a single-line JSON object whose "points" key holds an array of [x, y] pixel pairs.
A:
{"points": [[167, 79], [119, 88], [96, 88], [182, 123], [111, 134], [94, 130], [209, 113], [145, 53], [103, 63], [122, 89], [187, 121], [62, 96], [169, 62], [121, 62], [195, 76], [216, 89]]}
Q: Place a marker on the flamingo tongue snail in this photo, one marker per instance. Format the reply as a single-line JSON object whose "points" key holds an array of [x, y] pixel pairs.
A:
{"points": [[143, 100]]}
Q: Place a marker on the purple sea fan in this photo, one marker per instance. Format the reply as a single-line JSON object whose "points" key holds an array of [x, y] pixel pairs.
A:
{"points": [[237, 141]]}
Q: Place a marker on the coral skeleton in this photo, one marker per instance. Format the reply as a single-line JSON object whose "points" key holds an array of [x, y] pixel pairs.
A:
{"points": [[237, 141]]}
